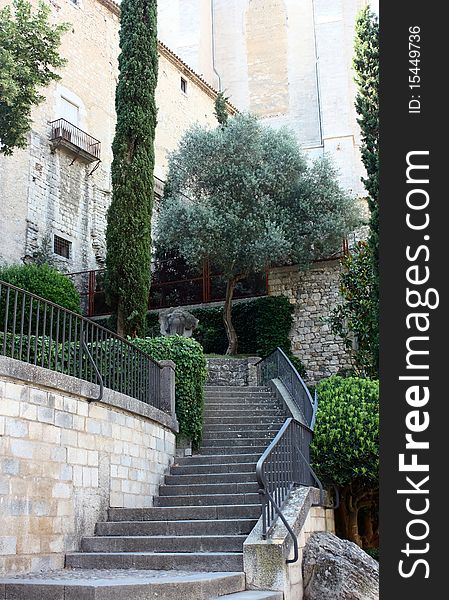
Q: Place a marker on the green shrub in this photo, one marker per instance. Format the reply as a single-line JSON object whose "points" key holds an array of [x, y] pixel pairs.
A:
{"points": [[345, 451], [191, 374], [44, 281]]}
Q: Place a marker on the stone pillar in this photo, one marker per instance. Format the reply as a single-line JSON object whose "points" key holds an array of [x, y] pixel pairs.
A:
{"points": [[253, 371], [167, 386]]}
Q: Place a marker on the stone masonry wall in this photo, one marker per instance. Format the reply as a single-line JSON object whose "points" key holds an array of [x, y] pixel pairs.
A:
{"points": [[64, 461], [314, 293], [232, 371]]}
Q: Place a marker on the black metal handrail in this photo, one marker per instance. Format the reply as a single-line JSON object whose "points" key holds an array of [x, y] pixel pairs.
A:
{"points": [[285, 464], [39, 332], [277, 365], [64, 130]]}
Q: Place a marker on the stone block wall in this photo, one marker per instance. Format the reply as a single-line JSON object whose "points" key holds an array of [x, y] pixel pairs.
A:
{"points": [[64, 461], [314, 293], [232, 371]]}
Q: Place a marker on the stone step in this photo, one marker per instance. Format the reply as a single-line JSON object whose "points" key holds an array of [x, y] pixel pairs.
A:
{"points": [[233, 428], [188, 561], [226, 450], [187, 527], [122, 584], [240, 433], [236, 404], [244, 420], [242, 411], [244, 389], [253, 595], [211, 478], [246, 487], [206, 499], [200, 459], [214, 469], [174, 543], [181, 513], [260, 440]]}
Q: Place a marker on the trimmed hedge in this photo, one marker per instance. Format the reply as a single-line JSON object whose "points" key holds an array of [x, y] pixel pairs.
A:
{"points": [[44, 281], [191, 375], [345, 446]]}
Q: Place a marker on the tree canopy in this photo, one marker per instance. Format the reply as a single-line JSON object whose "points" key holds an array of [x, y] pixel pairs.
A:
{"points": [[29, 53], [243, 197]]}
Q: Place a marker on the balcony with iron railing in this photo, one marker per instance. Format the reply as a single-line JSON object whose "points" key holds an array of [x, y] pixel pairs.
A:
{"points": [[76, 140]]}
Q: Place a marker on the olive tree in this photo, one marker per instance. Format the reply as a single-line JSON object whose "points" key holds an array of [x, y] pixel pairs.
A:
{"points": [[243, 197]]}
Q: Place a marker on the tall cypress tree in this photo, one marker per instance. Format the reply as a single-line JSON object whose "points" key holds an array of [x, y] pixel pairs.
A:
{"points": [[366, 66], [128, 234]]}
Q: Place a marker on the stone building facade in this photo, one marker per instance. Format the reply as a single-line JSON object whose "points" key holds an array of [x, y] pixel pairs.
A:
{"points": [[288, 61], [47, 190]]}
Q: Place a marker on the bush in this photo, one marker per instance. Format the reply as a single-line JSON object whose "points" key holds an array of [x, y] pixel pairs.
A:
{"points": [[191, 374], [44, 281], [345, 451]]}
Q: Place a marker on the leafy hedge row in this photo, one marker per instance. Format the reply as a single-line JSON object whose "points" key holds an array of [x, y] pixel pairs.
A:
{"points": [[191, 374]]}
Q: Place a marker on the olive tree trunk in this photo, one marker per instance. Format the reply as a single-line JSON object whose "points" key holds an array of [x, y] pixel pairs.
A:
{"points": [[227, 317]]}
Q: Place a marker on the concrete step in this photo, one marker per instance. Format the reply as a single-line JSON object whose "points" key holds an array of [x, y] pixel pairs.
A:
{"points": [[238, 435], [213, 469], [200, 459], [187, 527], [182, 513], [244, 420], [243, 404], [188, 561], [226, 450], [233, 389], [260, 440], [253, 595], [206, 500], [175, 543], [122, 584], [232, 429], [208, 488], [242, 411], [211, 478]]}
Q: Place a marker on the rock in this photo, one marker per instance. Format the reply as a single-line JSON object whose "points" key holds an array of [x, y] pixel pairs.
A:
{"points": [[335, 569]]}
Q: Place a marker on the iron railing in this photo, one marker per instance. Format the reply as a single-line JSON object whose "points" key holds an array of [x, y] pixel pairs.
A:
{"points": [[285, 464], [278, 366], [62, 130], [42, 333]]}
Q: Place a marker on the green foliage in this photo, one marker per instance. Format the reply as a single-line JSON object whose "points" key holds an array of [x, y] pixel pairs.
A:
{"points": [[366, 66], [253, 200], [345, 447], [29, 47], [357, 315], [262, 325], [43, 281], [191, 374], [128, 235], [221, 111], [373, 552]]}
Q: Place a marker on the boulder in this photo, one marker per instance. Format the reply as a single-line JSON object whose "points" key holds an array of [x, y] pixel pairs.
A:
{"points": [[336, 569]]}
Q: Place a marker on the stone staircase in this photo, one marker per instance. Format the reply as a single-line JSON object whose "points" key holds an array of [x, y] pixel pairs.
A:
{"points": [[193, 535]]}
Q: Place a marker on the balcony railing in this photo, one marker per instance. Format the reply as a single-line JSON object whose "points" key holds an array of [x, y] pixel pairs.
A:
{"points": [[81, 143]]}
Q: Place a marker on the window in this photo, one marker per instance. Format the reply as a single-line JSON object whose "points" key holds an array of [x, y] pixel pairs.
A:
{"points": [[69, 111], [184, 85], [61, 246]]}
